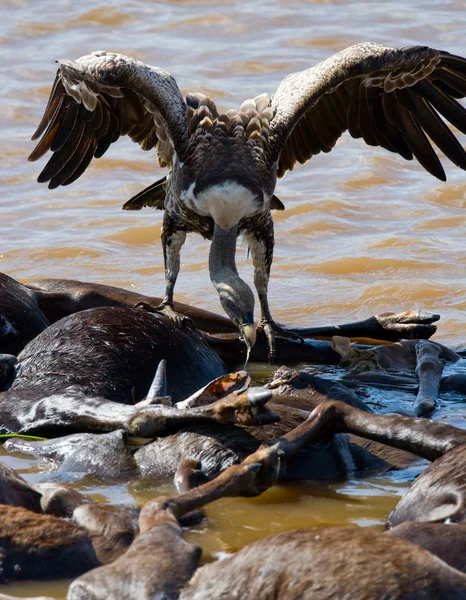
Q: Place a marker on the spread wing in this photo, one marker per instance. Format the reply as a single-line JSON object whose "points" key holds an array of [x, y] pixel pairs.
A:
{"points": [[398, 99], [99, 98]]}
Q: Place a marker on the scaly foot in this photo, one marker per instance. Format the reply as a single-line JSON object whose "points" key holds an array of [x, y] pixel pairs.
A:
{"points": [[168, 311], [273, 330]]}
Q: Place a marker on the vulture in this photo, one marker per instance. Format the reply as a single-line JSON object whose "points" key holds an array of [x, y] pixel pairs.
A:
{"points": [[223, 167]]}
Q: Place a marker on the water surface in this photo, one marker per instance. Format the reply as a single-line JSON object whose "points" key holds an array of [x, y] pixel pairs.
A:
{"points": [[363, 231]]}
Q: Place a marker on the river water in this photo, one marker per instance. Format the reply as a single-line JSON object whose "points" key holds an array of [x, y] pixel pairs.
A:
{"points": [[363, 231]]}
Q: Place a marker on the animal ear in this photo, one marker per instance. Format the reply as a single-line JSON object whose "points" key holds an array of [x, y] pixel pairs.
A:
{"points": [[216, 389], [342, 345], [276, 204]]}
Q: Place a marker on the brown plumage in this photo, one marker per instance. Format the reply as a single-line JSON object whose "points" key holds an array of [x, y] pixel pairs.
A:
{"points": [[390, 97], [224, 166]]}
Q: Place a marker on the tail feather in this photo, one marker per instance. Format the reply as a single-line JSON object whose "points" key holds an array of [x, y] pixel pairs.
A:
{"points": [[153, 196], [276, 203]]}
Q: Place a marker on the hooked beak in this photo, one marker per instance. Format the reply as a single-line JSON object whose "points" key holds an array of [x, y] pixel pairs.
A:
{"points": [[248, 331]]}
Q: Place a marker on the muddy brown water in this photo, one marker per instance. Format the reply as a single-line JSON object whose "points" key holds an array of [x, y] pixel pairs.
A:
{"points": [[363, 231]]}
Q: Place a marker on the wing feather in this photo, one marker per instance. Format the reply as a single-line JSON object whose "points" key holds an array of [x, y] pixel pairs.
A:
{"points": [[111, 135], [149, 141], [104, 124], [389, 108], [418, 143], [376, 116], [364, 114], [86, 155], [453, 84], [99, 98], [52, 128], [323, 129], [352, 115], [392, 98], [74, 161], [338, 111], [66, 126], [58, 160], [438, 132], [447, 107], [54, 99], [307, 126], [300, 146]]}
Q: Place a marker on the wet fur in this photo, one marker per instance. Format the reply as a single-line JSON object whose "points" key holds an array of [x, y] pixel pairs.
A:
{"points": [[438, 494], [59, 298], [448, 542], [36, 546], [20, 316], [113, 352], [218, 447], [325, 563]]}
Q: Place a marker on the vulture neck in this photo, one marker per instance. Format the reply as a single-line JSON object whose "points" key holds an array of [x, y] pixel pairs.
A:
{"points": [[222, 265], [235, 295]]}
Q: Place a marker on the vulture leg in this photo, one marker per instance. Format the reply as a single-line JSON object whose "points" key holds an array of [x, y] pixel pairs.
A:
{"points": [[173, 238], [261, 243]]}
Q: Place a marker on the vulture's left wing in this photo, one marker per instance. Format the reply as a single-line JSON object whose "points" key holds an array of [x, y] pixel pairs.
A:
{"points": [[398, 99]]}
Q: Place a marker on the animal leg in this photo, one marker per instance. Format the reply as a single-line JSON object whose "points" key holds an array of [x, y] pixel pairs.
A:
{"points": [[427, 439], [261, 243], [161, 536], [173, 238], [429, 371], [240, 407]]}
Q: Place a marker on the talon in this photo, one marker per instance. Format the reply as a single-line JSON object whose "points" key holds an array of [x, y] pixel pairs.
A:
{"points": [[273, 330], [146, 306], [168, 311], [269, 334]]}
